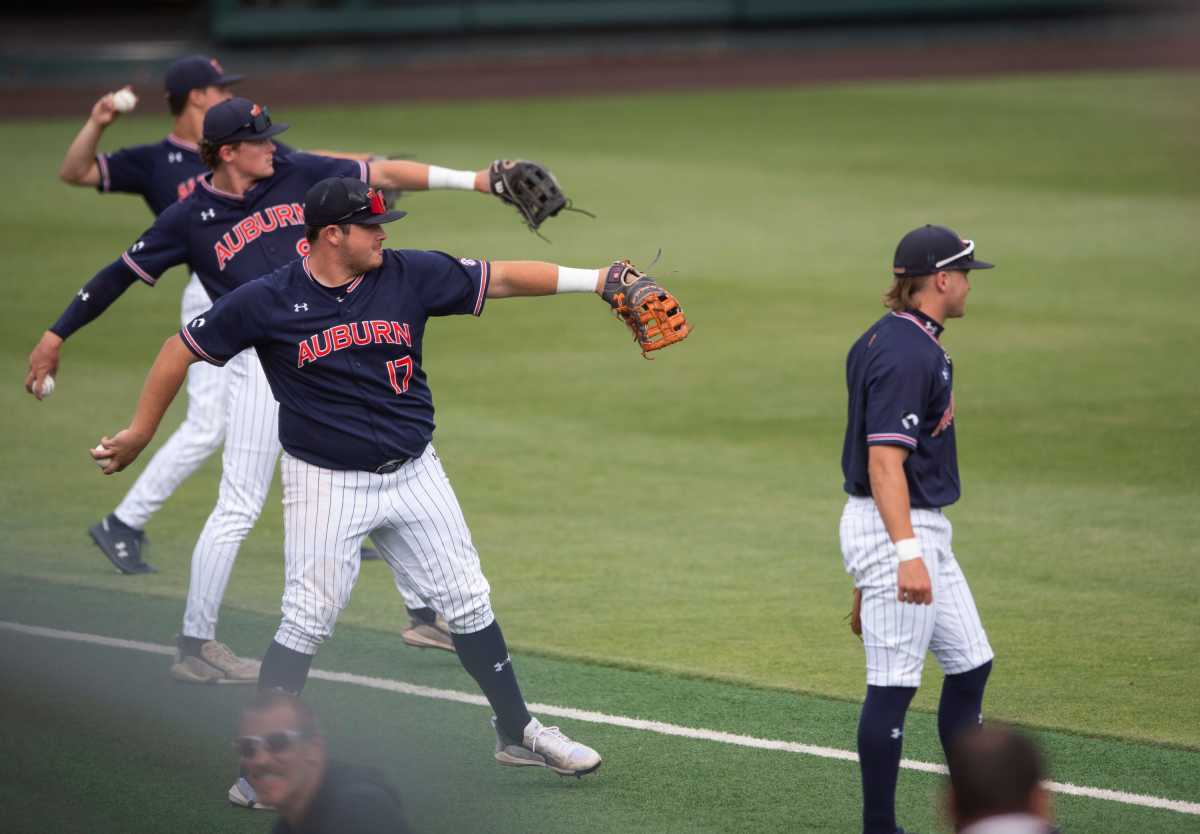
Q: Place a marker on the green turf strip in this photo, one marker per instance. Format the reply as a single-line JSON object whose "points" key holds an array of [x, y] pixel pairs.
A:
{"points": [[104, 703]]}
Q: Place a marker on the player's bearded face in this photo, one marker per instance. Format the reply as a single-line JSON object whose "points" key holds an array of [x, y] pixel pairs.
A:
{"points": [[364, 250]]}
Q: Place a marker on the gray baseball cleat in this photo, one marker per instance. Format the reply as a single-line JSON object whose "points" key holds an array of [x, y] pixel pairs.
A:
{"points": [[242, 795], [121, 543], [545, 747], [216, 663], [435, 635]]}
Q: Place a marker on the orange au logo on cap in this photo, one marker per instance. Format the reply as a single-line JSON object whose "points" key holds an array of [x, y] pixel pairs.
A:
{"points": [[255, 110], [216, 65]]}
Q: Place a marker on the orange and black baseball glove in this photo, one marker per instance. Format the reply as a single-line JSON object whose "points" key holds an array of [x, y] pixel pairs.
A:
{"points": [[652, 314]]}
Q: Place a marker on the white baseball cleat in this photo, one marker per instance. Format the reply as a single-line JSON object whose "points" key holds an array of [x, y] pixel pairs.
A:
{"points": [[545, 747], [242, 794], [216, 663]]}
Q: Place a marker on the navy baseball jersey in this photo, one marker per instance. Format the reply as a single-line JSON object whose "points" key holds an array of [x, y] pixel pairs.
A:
{"points": [[229, 240], [899, 380], [345, 363], [162, 173]]}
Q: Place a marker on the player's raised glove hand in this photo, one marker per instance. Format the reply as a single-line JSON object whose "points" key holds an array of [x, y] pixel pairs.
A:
{"points": [[648, 309], [115, 453], [913, 583], [43, 362], [530, 187]]}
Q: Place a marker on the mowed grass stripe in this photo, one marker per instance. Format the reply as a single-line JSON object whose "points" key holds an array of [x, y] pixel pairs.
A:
{"points": [[659, 727]]}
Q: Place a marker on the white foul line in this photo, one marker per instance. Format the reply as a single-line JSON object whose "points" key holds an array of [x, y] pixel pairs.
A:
{"points": [[388, 685]]}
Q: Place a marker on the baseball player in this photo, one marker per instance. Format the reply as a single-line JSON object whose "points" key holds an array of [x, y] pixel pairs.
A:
{"points": [[242, 218], [339, 334], [163, 173], [900, 470]]}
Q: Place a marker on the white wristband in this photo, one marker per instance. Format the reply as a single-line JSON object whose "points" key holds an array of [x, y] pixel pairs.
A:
{"points": [[908, 549], [577, 280], [440, 177]]}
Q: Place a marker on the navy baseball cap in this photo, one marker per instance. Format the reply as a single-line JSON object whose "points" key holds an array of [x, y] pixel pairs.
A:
{"points": [[238, 120], [338, 200], [932, 249], [195, 72]]}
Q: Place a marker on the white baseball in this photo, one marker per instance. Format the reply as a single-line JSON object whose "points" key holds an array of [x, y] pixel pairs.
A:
{"points": [[124, 100], [101, 462], [47, 386]]}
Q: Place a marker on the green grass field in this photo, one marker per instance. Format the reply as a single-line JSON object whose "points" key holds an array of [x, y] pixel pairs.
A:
{"points": [[679, 564]]}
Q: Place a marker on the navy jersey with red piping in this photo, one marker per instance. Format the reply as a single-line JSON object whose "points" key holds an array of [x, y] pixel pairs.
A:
{"points": [[162, 173], [229, 240], [899, 379], [345, 364]]}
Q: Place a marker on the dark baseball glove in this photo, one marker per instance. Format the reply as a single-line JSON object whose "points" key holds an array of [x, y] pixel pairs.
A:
{"points": [[650, 311], [529, 187], [855, 615]]}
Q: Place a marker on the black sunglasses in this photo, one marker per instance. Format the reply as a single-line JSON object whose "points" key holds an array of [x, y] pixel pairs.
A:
{"points": [[375, 204], [247, 746], [259, 122]]}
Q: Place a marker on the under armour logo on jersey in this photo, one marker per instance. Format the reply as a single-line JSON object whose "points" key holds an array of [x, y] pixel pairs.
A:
{"points": [[138, 247], [174, 156], [83, 295], [198, 322], [910, 421], [499, 667], [466, 261], [946, 374], [896, 733], [302, 306], [208, 214]]}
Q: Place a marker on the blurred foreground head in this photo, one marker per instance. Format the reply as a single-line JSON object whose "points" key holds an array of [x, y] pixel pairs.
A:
{"points": [[282, 750], [996, 784]]}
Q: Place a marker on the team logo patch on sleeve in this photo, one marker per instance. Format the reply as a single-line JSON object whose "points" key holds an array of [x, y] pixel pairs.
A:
{"points": [[910, 421]]}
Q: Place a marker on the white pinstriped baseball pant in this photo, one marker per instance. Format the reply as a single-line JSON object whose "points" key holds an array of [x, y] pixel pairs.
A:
{"points": [[896, 635], [414, 518], [247, 468], [198, 436]]}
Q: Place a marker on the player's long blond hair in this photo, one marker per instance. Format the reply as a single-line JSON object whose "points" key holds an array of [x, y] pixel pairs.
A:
{"points": [[900, 296]]}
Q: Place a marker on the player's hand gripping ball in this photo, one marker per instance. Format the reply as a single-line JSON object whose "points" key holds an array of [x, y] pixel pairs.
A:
{"points": [[47, 386], [652, 314], [124, 100], [100, 461]]}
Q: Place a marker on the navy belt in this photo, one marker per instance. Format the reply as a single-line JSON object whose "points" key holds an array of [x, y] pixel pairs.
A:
{"points": [[391, 466]]}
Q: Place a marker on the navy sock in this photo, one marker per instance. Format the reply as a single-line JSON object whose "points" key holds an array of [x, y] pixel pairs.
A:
{"points": [[880, 740], [484, 655], [189, 646], [961, 705], [284, 669], [422, 615]]}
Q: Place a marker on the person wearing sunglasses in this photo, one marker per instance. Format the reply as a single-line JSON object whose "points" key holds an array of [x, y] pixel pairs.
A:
{"points": [[244, 218], [284, 755]]}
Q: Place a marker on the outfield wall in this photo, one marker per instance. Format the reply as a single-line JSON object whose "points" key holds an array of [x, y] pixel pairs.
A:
{"points": [[235, 21]]}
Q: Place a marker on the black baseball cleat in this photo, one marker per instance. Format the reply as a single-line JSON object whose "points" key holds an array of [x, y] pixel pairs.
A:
{"points": [[121, 544]]}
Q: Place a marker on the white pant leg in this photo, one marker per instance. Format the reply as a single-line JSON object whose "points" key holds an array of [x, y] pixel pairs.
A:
{"points": [[959, 642], [426, 540], [248, 465], [326, 513], [896, 635], [199, 435]]}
